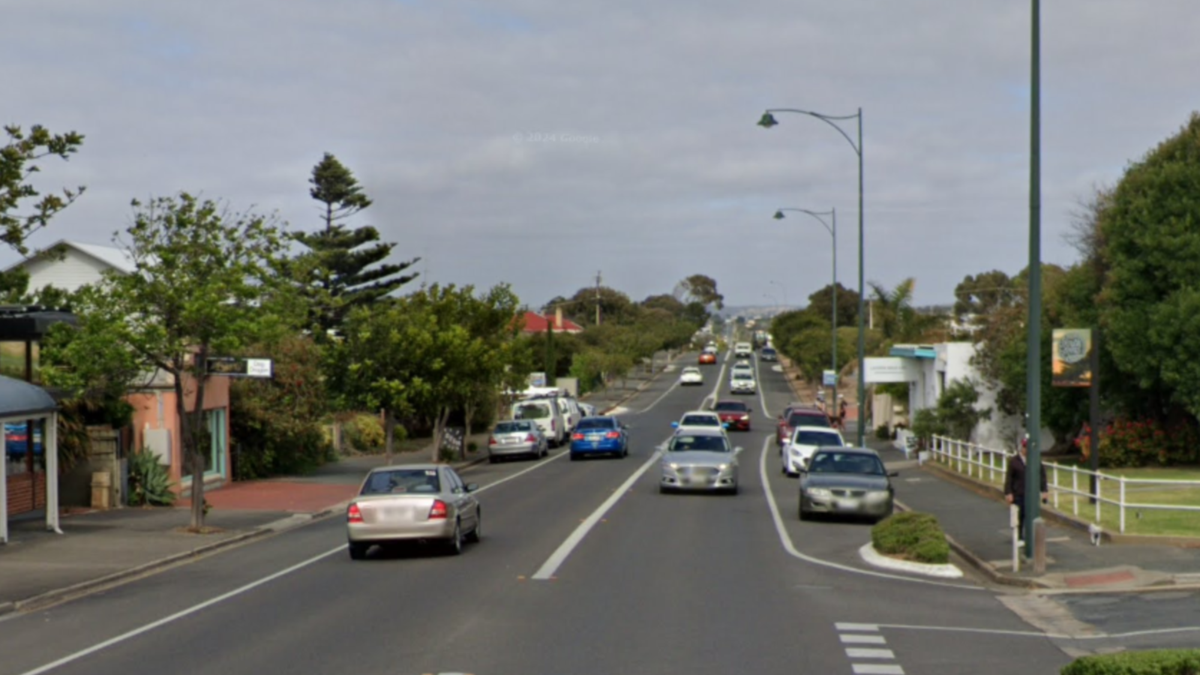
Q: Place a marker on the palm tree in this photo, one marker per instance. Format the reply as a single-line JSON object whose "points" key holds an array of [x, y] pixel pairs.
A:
{"points": [[898, 321]]}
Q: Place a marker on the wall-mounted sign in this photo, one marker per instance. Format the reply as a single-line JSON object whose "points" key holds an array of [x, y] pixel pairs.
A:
{"points": [[1070, 361], [891, 369]]}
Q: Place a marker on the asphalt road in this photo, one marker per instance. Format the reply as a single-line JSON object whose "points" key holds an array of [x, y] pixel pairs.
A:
{"points": [[655, 584]]}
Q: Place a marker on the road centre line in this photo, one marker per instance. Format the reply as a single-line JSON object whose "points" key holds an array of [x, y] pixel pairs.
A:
{"points": [[128, 635], [758, 384], [786, 540], [522, 472], [556, 559], [660, 398]]}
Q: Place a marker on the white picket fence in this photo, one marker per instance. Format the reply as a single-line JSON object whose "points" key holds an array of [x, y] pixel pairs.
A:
{"points": [[1065, 482]]}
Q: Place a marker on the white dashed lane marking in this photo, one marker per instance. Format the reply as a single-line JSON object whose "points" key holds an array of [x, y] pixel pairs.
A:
{"points": [[867, 660]]}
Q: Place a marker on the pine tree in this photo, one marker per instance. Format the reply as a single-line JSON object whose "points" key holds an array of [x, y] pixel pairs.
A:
{"points": [[343, 268]]}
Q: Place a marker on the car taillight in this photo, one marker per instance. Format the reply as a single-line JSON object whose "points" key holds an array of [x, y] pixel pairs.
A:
{"points": [[612, 434], [353, 514], [438, 510], [577, 437], [531, 439]]}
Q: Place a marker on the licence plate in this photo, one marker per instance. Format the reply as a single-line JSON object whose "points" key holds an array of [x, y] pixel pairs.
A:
{"points": [[508, 441], [394, 514], [847, 505]]}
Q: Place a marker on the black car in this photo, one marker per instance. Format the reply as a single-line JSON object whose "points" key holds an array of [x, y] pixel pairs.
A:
{"points": [[768, 354], [846, 481]]}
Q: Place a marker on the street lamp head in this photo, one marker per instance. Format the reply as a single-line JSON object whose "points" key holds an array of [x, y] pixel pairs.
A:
{"points": [[779, 215], [767, 121]]}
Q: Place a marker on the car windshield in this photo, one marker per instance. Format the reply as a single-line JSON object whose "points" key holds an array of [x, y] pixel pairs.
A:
{"points": [[818, 438], [512, 427], [846, 462], [808, 420], [700, 421], [402, 481], [767, 350], [597, 423], [704, 443], [743, 375], [531, 411], [691, 371], [730, 406]]}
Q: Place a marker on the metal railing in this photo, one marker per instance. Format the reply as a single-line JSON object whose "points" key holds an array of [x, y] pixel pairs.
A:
{"points": [[1065, 481]]}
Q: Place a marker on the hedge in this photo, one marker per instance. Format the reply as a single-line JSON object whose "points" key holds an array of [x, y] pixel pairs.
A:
{"points": [[912, 536], [1161, 662]]}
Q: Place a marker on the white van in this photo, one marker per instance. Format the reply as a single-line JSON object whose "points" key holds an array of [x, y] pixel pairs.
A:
{"points": [[548, 415]]}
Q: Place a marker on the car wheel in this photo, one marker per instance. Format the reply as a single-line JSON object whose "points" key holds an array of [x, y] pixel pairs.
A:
{"points": [[625, 451], [358, 550], [663, 489], [492, 459], [734, 490], [477, 533], [805, 515], [574, 456], [545, 450], [455, 544]]}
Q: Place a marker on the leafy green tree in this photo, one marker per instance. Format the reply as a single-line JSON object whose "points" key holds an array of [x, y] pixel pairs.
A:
{"points": [[821, 304], [703, 289], [343, 268], [1151, 248], [197, 291], [983, 294], [23, 209], [897, 320]]}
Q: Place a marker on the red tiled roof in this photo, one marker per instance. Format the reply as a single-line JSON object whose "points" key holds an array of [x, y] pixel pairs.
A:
{"points": [[536, 323]]}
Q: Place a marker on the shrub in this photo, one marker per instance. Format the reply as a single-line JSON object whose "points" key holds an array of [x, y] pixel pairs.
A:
{"points": [[364, 432], [1134, 443], [149, 482], [882, 432], [1161, 662], [912, 536]]}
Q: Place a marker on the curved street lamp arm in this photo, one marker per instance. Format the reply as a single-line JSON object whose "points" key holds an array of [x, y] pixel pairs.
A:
{"points": [[828, 119], [814, 214]]}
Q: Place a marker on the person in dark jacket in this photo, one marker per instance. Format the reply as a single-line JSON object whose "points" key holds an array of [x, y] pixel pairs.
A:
{"points": [[1014, 483]]}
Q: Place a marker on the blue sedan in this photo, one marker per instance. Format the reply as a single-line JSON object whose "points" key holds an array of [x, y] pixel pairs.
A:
{"points": [[600, 436]]}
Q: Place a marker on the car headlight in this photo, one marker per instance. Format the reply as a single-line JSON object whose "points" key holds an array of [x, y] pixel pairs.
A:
{"points": [[746, 417], [672, 466], [819, 493], [722, 467]]}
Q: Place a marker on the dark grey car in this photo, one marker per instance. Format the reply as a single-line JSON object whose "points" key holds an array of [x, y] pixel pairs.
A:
{"points": [[846, 481]]}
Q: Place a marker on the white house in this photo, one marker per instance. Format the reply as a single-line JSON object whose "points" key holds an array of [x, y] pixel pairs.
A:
{"points": [[929, 369], [69, 265]]}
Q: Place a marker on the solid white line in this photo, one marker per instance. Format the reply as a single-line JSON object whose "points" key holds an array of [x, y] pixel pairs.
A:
{"points": [[660, 398], [758, 384], [876, 669], [522, 472], [556, 559], [179, 615], [868, 653], [786, 539], [862, 639], [866, 627], [1053, 636]]}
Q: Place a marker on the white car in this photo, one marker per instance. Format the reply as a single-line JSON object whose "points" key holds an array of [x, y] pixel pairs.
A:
{"points": [[742, 382], [698, 419], [743, 350], [691, 375], [798, 450]]}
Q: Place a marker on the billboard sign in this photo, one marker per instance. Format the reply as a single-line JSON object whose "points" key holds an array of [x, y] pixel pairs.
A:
{"points": [[891, 369], [1070, 360]]}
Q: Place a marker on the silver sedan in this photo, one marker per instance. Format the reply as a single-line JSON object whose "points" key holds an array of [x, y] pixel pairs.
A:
{"points": [[517, 437], [699, 459], [418, 502]]}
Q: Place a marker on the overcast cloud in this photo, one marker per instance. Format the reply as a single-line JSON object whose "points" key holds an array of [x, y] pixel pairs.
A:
{"points": [[539, 141]]}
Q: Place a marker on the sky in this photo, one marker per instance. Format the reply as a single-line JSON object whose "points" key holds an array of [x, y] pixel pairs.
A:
{"points": [[539, 142]]}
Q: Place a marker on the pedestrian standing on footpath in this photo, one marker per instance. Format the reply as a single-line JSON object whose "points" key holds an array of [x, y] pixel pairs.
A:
{"points": [[1014, 483]]}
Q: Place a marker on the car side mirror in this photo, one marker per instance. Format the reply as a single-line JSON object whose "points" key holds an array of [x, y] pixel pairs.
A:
{"points": [[893, 474], [737, 451], [725, 425], [471, 487], [674, 425]]}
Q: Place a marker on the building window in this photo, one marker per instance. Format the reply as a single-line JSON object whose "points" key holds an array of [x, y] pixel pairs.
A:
{"points": [[214, 421]]}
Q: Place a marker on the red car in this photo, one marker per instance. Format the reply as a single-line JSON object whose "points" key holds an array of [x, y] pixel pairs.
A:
{"points": [[799, 415], [734, 413], [708, 359]]}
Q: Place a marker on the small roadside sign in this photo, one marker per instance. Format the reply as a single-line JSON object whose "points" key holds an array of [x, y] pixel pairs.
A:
{"points": [[830, 378]]}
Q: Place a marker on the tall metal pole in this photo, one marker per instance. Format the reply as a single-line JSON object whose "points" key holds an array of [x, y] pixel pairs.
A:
{"points": [[833, 289], [1033, 362], [862, 342], [597, 298]]}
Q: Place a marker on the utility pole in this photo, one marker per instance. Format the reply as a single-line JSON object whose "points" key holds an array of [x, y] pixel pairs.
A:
{"points": [[597, 297]]}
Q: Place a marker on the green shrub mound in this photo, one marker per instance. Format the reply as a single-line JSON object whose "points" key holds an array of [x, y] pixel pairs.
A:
{"points": [[1161, 662], [912, 536], [364, 433]]}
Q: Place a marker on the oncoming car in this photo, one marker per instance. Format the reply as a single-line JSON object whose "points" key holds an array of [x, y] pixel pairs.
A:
{"points": [[734, 415], [419, 502], [700, 460], [742, 382], [699, 419], [691, 375], [846, 481]]}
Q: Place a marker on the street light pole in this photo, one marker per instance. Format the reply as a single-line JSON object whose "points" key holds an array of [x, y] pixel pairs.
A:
{"points": [[1033, 359], [768, 120], [833, 286]]}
